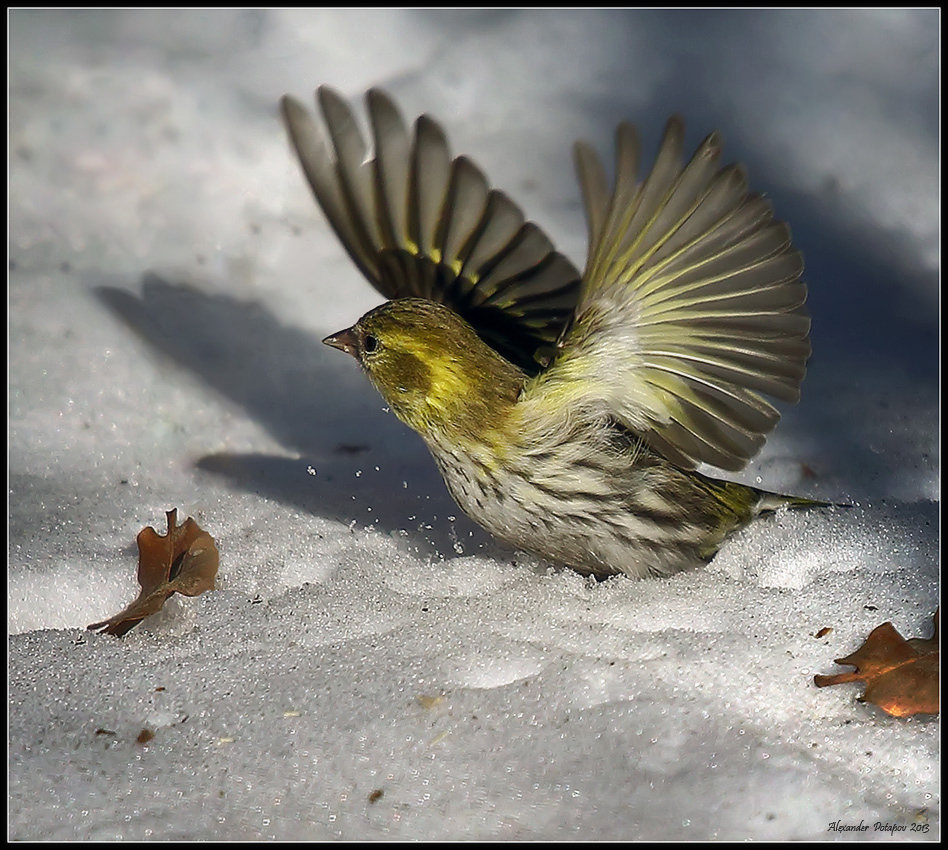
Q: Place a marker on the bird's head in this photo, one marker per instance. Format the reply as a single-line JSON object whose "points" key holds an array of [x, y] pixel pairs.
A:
{"points": [[436, 374]]}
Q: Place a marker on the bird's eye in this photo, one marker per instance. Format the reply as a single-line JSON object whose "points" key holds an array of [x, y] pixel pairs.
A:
{"points": [[371, 344]]}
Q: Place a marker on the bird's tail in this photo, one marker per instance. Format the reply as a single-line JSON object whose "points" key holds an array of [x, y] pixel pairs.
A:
{"points": [[774, 501]]}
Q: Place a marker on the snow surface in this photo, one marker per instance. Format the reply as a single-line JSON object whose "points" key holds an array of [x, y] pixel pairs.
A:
{"points": [[372, 665]]}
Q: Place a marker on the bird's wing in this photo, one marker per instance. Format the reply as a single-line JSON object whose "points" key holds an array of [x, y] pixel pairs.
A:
{"points": [[691, 308], [420, 223]]}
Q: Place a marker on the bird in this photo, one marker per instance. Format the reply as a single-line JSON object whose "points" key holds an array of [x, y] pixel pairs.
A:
{"points": [[568, 411]]}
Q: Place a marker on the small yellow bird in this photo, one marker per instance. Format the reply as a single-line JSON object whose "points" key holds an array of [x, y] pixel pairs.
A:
{"points": [[567, 412]]}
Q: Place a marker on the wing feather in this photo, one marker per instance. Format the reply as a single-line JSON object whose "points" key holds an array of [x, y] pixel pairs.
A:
{"points": [[691, 309], [418, 222]]}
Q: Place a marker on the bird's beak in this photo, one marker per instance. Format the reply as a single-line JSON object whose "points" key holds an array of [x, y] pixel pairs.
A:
{"points": [[346, 340]]}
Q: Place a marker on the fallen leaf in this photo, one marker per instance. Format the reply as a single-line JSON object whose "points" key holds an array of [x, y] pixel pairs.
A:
{"points": [[184, 560], [901, 675]]}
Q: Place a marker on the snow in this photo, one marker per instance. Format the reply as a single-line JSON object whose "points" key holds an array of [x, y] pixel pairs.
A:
{"points": [[372, 665]]}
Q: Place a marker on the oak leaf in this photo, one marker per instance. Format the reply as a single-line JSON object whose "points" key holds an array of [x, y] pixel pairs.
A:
{"points": [[185, 560], [901, 675]]}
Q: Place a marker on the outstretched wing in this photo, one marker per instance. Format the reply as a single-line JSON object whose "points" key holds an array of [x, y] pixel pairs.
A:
{"points": [[419, 223], [691, 308]]}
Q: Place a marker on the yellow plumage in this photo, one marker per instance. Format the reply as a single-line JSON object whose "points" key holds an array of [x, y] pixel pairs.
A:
{"points": [[567, 412]]}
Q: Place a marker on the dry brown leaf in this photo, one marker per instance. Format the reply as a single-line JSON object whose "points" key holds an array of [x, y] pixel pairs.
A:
{"points": [[184, 560], [901, 675]]}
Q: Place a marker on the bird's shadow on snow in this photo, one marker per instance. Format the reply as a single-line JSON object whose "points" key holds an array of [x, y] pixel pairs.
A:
{"points": [[354, 462]]}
